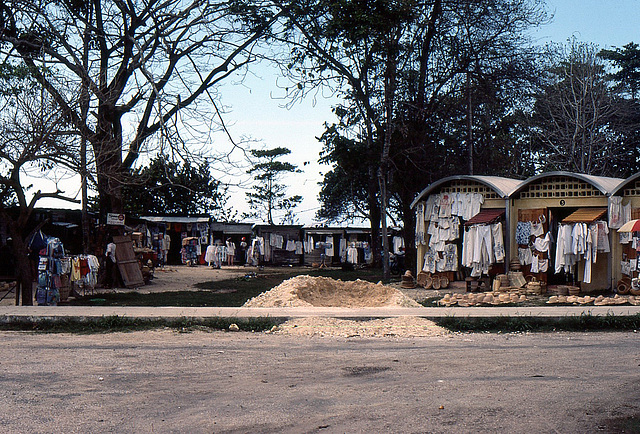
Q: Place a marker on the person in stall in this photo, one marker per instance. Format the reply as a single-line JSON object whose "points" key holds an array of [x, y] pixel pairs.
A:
{"points": [[231, 251], [7, 262], [110, 264]]}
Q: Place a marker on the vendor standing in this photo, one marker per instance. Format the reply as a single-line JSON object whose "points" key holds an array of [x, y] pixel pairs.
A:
{"points": [[7, 263], [243, 250], [231, 250], [110, 259]]}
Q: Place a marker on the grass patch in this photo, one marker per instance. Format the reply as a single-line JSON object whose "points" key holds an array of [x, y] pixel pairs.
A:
{"points": [[222, 293], [117, 323], [582, 323]]}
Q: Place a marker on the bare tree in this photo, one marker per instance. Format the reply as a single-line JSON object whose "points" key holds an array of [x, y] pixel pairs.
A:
{"points": [[144, 70], [34, 142], [573, 114]]}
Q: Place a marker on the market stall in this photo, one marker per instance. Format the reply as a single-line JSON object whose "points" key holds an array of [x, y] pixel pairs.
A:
{"points": [[624, 207], [276, 245], [167, 233], [560, 222], [457, 220]]}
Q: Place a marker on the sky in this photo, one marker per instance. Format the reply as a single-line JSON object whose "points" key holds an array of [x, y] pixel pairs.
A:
{"points": [[256, 111]]}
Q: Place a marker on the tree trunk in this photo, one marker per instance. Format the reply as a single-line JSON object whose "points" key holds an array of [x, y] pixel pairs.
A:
{"points": [[409, 224], [24, 271], [469, 124], [374, 218]]}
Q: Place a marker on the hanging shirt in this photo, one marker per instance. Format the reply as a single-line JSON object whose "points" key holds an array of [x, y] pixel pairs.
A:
{"points": [[523, 233], [430, 259], [542, 244], [578, 242], [421, 231], [454, 234], [231, 248], [450, 257], [398, 245], [603, 237], [477, 199], [110, 253], [615, 212], [445, 205], [537, 229], [352, 255], [329, 248]]}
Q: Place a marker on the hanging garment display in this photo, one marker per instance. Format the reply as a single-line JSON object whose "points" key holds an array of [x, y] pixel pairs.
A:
{"points": [[542, 244], [329, 246], [615, 212], [525, 256], [352, 255], [580, 241], [603, 237], [291, 246], [430, 259], [398, 245], [498, 241], [523, 233], [482, 246], [421, 231]]}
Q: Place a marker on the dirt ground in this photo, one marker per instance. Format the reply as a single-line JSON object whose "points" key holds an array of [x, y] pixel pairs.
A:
{"points": [[226, 382], [305, 376], [182, 278]]}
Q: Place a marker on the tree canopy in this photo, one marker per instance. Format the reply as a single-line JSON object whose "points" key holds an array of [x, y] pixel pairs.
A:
{"points": [[174, 187], [269, 195]]}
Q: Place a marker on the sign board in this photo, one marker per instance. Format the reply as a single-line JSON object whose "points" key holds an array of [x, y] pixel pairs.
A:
{"points": [[115, 219]]}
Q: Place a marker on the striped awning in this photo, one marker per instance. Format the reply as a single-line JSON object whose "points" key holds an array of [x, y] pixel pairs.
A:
{"points": [[585, 215]]}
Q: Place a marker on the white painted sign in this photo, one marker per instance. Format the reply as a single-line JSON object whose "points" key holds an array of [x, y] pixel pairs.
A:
{"points": [[115, 219]]}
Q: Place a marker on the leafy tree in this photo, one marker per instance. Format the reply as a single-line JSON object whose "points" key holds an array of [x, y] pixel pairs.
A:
{"points": [[174, 187], [400, 67], [34, 142], [343, 194], [627, 61], [269, 195], [133, 66]]}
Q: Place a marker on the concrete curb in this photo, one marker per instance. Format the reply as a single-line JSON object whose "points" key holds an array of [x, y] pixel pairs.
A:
{"points": [[36, 313]]}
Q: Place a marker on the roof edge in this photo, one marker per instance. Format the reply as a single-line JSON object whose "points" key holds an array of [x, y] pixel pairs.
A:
{"points": [[489, 181], [594, 181], [624, 183]]}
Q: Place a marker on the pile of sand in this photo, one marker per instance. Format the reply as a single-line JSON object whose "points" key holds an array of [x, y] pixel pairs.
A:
{"points": [[307, 291], [387, 327]]}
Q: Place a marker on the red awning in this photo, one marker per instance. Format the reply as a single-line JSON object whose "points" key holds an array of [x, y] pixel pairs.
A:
{"points": [[486, 216]]}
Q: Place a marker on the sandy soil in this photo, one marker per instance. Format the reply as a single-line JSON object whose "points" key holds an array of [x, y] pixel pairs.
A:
{"points": [[307, 291]]}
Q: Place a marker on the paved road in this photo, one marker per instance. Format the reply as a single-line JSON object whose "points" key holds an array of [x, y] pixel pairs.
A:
{"points": [[163, 381], [378, 312]]}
